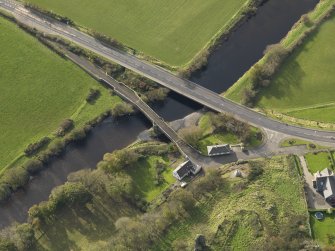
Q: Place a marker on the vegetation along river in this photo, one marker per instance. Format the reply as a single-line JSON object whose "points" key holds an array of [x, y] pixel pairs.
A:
{"points": [[226, 65]]}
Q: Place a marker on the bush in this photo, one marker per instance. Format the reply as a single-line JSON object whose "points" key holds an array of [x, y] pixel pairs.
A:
{"points": [[71, 193], [5, 192], [122, 109], [255, 172], [76, 135], [191, 135], [33, 166], [64, 127], [93, 95], [35, 147], [16, 177]]}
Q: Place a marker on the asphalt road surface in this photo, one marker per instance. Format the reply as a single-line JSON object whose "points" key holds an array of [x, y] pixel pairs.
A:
{"points": [[184, 87]]}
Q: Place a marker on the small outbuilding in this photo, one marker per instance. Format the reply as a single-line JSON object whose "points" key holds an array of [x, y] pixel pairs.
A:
{"points": [[186, 168], [217, 150]]}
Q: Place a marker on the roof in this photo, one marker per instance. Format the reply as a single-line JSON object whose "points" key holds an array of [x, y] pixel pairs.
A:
{"points": [[325, 182], [324, 173], [184, 168], [218, 149]]}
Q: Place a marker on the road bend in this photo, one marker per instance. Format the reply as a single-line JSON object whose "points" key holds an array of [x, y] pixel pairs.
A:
{"points": [[184, 87]]}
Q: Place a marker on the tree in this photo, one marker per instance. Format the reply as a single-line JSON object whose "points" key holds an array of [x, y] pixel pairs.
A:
{"points": [[191, 135], [121, 109], [16, 177], [119, 159], [33, 166], [70, 193]]}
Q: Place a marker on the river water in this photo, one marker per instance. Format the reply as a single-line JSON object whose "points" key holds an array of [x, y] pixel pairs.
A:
{"points": [[226, 65]]}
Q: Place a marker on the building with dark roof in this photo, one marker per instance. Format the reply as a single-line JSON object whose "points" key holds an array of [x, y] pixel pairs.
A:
{"points": [[185, 169], [218, 150], [324, 183]]}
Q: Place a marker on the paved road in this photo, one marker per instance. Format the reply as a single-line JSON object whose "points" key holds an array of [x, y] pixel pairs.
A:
{"points": [[132, 97], [163, 77]]}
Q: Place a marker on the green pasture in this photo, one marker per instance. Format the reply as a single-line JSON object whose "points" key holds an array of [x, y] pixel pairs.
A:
{"points": [[38, 91], [303, 86], [172, 31]]}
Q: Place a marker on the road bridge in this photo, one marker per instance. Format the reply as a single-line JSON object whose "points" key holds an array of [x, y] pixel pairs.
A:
{"points": [[184, 87], [131, 96]]}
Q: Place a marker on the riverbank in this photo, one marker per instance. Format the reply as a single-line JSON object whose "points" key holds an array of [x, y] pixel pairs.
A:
{"points": [[307, 108]]}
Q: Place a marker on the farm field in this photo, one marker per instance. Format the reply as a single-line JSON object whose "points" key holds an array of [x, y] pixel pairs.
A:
{"points": [[302, 88], [318, 162], [38, 91], [171, 31], [240, 216]]}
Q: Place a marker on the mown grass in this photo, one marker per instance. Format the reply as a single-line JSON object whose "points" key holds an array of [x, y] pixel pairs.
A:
{"points": [[38, 91], [318, 161], [302, 87], [299, 142], [323, 229], [172, 31], [244, 208], [144, 176]]}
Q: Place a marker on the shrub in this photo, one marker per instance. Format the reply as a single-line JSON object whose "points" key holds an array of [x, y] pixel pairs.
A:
{"points": [[122, 109], [93, 95], [35, 147], [71, 193], [4, 192], [33, 166], [76, 135], [255, 172], [64, 127], [16, 177], [191, 135]]}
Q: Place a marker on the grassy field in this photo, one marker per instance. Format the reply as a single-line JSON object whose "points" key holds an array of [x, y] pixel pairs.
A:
{"points": [[38, 91], [246, 212], [323, 229], [306, 78], [172, 31], [144, 174], [302, 87], [318, 162]]}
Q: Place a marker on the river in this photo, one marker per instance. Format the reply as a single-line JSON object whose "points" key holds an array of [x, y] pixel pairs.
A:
{"points": [[226, 65]]}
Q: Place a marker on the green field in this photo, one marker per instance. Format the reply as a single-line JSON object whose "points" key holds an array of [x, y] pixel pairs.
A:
{"points": [[318, 162], [144, 174], [38, 91], [306, 79], [245, 212], [303, 86], [323, 231], [172, 31]]}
